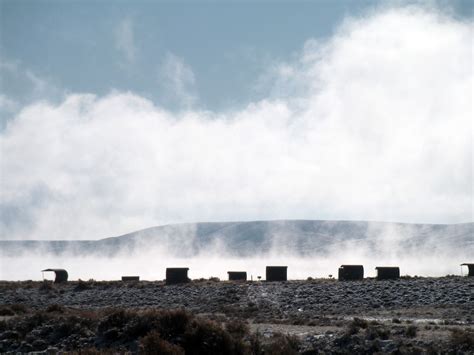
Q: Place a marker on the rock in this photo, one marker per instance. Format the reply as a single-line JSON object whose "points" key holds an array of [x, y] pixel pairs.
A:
{"points": [[39, 344], [10, 334], [25, 347]]}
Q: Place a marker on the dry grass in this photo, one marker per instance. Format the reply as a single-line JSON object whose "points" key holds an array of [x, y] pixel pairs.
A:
{"points": [[127, 330]]}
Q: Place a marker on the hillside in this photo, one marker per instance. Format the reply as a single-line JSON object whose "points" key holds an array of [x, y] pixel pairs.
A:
{"points": [[300, 237]]}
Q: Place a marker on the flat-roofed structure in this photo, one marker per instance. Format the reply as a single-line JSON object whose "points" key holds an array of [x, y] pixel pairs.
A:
{"points": [[177, 275], [351, 272], [388, 272], [237, 275], [470, 268], [276, 273], [130, 278], [61, 275]]}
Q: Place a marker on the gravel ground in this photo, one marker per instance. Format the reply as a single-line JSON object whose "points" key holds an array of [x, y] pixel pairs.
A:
{"points": [[320, 313], [448, 298]]}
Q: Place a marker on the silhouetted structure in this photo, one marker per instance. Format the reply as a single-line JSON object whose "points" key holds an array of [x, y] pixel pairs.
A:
{"points": [[237, 275], [387, 272], [177, 275], [276, 273], [130, 278], [470, 269], [61, 275], [351, 272]]}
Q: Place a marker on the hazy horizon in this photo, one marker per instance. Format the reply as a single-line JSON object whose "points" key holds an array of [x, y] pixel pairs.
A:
{"points": [[311, 248]]}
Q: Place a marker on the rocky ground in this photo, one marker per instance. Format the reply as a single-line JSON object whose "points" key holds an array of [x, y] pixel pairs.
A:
{"points": [[410, 315]]}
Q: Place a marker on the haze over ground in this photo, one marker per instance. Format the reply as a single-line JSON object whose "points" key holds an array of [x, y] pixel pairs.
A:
{"points": [[369, 120]]}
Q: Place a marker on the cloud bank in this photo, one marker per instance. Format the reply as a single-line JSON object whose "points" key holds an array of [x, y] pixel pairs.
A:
{"points": [[373, 123]]}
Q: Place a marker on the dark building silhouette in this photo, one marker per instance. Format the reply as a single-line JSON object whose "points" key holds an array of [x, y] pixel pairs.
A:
{"points": [[351, 272], [470, 269], [130, 278], [237, 275], [177, 275], [387, 272], [61, 275], [276, 273]]}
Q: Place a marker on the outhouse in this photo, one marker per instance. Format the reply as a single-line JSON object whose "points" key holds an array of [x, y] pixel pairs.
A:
{"points": [[351, 272], [276, 273], [177, 275]]}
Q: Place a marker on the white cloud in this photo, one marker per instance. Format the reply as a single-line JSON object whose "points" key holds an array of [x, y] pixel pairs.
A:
{"points": [[177, 80], [376, 124], [125, 40]]}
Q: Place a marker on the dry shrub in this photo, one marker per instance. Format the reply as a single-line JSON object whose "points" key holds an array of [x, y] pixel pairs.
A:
{"points": [[356, 324], [6, 311], [154, 331], [360, 323], [19, 308], [207, 337], [411, 331], [237, 328], [65, 328], [117, 319], [153, 344], [55, 308], [375, 331], [462, 339], [282, 345], [30, 323], [256, 344], [172, 324]]}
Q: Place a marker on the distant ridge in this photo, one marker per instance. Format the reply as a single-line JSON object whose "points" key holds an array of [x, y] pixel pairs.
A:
{"points": [[302, 237]]}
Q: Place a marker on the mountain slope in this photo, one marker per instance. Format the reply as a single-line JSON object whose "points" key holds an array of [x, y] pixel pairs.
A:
{"points": [[301, 237]]}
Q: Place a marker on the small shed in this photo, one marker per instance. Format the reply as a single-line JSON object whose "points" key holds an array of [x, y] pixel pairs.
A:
{"points": [[387, 272], [177, 275], [237, 275], [61, 275], [130, 278], [276, 273], [470, 268], [351, 272]]}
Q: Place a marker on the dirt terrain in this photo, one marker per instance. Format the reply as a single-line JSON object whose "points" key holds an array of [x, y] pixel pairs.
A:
{"points": [[410, 315]]}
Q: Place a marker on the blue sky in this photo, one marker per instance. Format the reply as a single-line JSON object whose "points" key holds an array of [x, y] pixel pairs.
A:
{"points": [[98, 46], [123, 115]]}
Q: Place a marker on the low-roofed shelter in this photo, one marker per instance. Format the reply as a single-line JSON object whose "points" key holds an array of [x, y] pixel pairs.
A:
{"points": [[237, 275], [177, 275], [61, 275], [351, 272], [387, 272], [276, 273], [470, 268], [130, 278]]}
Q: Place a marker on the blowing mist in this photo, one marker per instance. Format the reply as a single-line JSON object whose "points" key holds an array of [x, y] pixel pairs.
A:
{"points": [[358, 126]]}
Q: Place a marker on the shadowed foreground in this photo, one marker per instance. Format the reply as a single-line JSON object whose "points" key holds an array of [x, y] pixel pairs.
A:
{"points": [[317, 316]]}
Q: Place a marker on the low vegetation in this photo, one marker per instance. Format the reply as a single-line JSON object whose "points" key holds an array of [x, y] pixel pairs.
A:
{"points": [[149, 331]]}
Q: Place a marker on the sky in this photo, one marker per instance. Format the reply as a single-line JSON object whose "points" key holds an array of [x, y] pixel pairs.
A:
{"points": [[117, 116]]}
